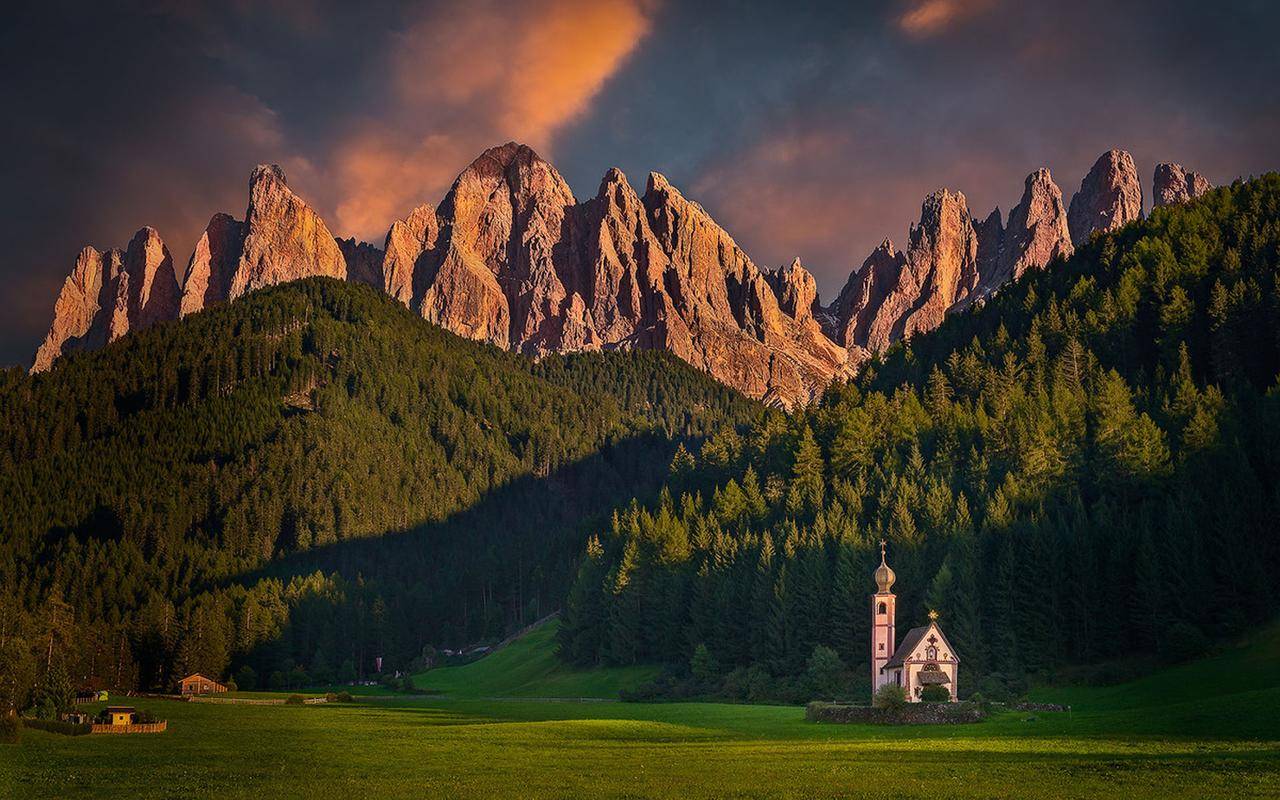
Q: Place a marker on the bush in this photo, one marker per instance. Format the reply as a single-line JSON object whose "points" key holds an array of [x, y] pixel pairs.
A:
{"points": [[826, 672], [330, 697], [10, 729], [247, 678], [344, 697], [703, 665], [57, 726], [890, 697], [935, 694], [294, 700], [759, 683], [144, 717]]}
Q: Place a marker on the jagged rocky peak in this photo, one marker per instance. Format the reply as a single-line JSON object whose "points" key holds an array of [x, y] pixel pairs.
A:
{"points": [[990, 243], [622, 263], [1037, 231], [409, 240], [894, 296], [507, 252], [795, 288], [1173, 184], [153, 282], [849, 317], [1110, 196], [284, 239], [109, 294], [82, 296], [364, 262], [942, 262], [212, 264]]}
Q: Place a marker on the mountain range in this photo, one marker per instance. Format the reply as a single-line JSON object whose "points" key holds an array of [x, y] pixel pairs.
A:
{"points": [[512, 258]]}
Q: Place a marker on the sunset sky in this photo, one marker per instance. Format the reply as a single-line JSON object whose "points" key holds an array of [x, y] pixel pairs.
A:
{"points": [[805, 129]]}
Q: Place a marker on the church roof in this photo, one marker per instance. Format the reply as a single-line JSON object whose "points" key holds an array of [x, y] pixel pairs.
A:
{"points": [[912, 639]]}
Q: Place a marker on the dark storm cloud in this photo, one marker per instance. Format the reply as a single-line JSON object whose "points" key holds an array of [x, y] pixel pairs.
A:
{"points": [[812, 131]]}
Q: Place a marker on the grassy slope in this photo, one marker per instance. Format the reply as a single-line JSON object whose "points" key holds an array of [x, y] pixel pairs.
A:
{"points": [[528, 667], [1158, 737], [1234, 693]]}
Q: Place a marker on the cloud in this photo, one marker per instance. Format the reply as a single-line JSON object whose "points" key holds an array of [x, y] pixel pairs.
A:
{"points": [[830, 188], [465, 78], [925, 18]]}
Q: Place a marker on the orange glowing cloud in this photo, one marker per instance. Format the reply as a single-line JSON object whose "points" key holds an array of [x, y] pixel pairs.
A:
{"points": [[925, 18], [466, 78]]}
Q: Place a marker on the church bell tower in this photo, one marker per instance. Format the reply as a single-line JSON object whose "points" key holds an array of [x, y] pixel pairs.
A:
{"points": [[882, 617]]}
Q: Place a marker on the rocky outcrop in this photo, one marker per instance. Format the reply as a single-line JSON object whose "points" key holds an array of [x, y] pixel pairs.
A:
{"points": [[990, 246], [849, 318], [717, 311], [515, 260], [212, 264], [408, 240], [1036, 234], [894, 296], [284, 239], [510, 257], [364, 262], [941, 270], [1110, 196], [109, 294], [795, 289], [1174, 184]]}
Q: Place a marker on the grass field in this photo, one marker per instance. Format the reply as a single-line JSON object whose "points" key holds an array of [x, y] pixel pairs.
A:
{"points": [[528, 667], [1207, 729]]}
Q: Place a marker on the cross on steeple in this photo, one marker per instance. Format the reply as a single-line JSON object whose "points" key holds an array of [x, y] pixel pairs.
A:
{"points": [[882, 544]]}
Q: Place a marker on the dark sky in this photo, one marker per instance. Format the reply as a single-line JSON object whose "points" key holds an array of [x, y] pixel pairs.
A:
{"points": [[805, 129]]}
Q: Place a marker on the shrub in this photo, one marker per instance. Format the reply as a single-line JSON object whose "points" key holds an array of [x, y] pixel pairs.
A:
{"points": [[826, 672], [144, 717], [247, 678], [10, 728], [703, 665], [890, 697], [344, 697], [57, 726], [759, 683], [294, 700], [935, 694], [330, 697]]}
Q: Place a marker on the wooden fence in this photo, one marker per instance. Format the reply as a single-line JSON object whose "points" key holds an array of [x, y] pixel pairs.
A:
{"points": [[150, 727]]}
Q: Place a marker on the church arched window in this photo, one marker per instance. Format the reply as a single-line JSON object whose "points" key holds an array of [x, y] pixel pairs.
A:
{"points": [[882, 609], [931, 653]]}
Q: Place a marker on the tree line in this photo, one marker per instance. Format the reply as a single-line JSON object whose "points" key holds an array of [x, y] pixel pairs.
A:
{"points": [[304, 481], [1085, 469]]}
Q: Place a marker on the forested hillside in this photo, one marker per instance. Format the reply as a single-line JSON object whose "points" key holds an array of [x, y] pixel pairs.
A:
{"points": [[306, 480], [1086, 468]]}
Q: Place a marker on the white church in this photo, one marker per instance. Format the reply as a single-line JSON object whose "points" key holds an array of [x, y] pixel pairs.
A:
{"points": [[925, 657]]}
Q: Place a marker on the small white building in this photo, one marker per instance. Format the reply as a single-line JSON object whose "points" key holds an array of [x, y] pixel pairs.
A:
{"points": [[925, 657]]}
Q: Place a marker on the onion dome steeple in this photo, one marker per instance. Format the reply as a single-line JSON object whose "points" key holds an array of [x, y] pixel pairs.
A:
{"points": [[884, 575]]}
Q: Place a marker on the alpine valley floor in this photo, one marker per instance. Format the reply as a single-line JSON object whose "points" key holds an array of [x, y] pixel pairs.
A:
{"points": [[1183, 732]]}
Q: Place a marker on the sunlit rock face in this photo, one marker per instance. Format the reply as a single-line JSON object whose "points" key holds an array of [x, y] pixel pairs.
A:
{"points": [[1174, 184], [1037, 233], [284, 239], [1110, 196], [108, 294], [512, 258]]}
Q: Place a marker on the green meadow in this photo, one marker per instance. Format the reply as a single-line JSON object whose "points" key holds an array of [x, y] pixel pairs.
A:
{"points": [[502, 727]]}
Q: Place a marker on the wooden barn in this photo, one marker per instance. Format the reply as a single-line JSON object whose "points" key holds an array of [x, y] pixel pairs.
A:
{"points": [[197, 683]]}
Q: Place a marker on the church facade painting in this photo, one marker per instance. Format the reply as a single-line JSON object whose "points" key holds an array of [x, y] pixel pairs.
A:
{"points": [[924, 657]]}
